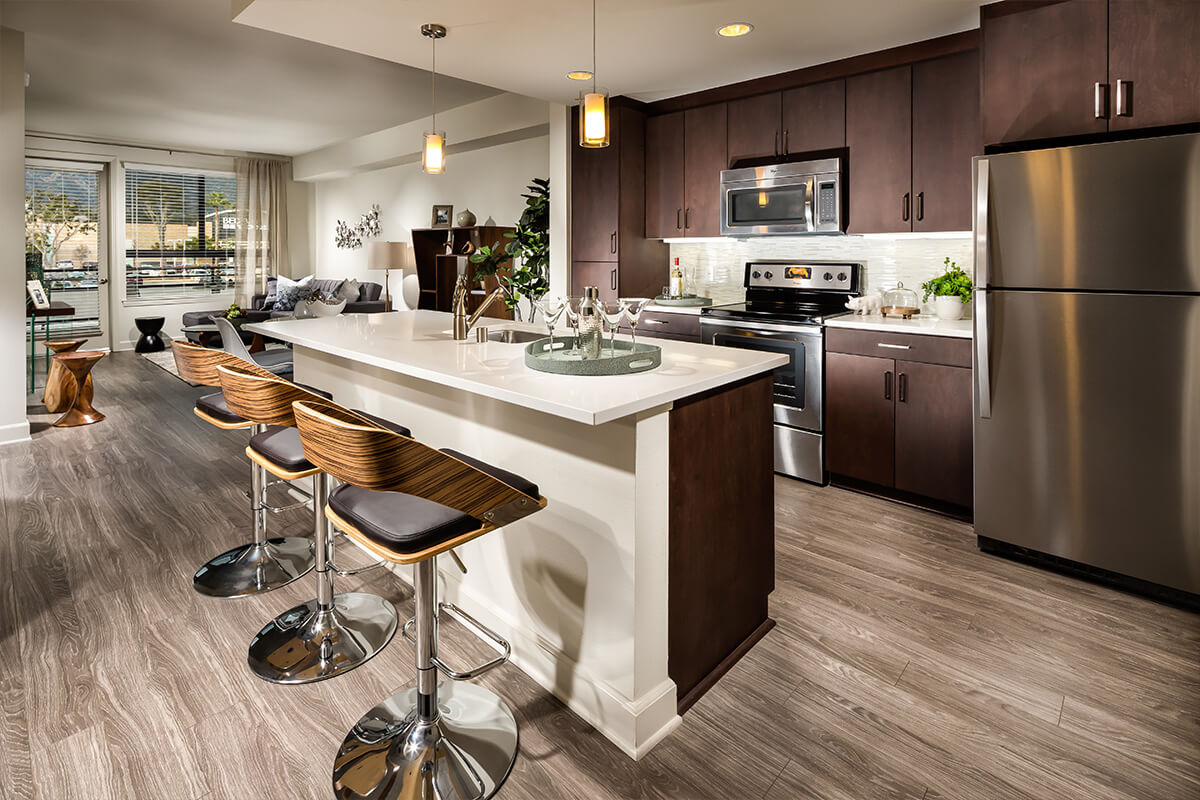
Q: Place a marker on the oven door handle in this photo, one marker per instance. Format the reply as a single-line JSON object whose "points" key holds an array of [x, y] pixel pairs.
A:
{"points": [[806, 331]]}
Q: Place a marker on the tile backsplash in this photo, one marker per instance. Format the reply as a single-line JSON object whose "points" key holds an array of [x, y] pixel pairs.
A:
{"points": [[719, 265]]}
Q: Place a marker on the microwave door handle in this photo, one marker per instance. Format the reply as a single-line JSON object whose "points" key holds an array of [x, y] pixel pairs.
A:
{"points": [[983, 375], [808, 204]]}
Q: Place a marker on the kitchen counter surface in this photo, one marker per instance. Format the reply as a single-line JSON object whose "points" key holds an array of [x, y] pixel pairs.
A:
{"points": [[926, 324], [419, 344], [674, 309]]}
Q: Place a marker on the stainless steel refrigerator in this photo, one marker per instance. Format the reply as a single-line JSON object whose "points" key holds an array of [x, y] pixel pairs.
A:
{"points": [[1087, 358]]}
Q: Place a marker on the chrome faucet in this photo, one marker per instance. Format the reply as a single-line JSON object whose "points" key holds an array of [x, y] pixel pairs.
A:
{"points": [[463, 323]]}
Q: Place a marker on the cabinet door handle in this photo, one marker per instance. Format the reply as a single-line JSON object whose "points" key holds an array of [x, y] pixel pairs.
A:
{"points": [[904, 206], [613, 280], [679, 219], [656, 321], [687, 215], [1124, 98], [785, 143], [776, 142], [894, 346], [1101, 101], [887, 385], [920, 206], [612, 242], [901, 382]]}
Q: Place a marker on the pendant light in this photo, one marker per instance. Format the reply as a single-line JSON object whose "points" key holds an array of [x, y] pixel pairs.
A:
{"points": [[593, 105], [433, 155]]}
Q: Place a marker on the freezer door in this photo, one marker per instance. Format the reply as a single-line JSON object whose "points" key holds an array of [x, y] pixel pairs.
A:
{"points": [[1092, 450], [1121, 216]]}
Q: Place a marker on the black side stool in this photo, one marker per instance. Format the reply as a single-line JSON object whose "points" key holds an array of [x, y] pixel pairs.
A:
{"points": [[406, 503], [149, 341]]}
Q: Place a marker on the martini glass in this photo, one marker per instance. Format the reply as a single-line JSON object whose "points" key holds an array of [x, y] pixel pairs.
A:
{"points": [[552, 309], [612, 313], [634, 306]]}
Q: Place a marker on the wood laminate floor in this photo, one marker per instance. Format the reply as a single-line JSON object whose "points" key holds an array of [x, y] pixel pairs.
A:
{"points": [[905, 664]]}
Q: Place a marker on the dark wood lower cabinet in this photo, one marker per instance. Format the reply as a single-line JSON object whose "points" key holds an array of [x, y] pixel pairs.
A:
{"points": [[901, 426], [859, 417], [933, 432]]}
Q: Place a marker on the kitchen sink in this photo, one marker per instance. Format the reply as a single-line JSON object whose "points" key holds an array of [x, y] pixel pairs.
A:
{"points": [[509, 336]]}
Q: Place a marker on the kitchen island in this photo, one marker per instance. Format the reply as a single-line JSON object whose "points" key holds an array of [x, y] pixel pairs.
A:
{"points": [[647, 575]]}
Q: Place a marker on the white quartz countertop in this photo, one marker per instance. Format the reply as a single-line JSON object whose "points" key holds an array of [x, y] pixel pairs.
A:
{"points": [[674, 309], [420, 344], [922, 323]]}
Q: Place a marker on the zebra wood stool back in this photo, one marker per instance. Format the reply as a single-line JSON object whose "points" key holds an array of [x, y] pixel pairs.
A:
{"points": [[357, 452], [198, 364], [261, 397]]}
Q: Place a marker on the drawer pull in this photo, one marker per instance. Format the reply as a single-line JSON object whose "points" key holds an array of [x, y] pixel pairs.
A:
{"points": [[649, 321], [895, 346]]}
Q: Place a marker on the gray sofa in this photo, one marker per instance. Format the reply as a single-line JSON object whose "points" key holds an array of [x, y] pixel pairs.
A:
{"points": [[370, 301]]}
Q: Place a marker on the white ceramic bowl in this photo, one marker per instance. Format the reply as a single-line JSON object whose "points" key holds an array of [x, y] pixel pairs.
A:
{"points": [[319, 308]]}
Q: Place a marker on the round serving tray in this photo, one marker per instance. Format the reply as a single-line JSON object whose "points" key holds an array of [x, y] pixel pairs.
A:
{"points": [[684, 302], [626, 359]]}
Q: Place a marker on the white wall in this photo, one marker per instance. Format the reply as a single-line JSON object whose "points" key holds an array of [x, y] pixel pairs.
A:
{"points": [[14, 427], [488, 181], [122, 333]]}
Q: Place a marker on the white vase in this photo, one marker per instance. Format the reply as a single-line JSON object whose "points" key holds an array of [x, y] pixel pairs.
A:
{"points": [[949, 306]]}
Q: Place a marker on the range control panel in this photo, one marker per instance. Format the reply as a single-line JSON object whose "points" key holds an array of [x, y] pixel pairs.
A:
{"points": [[834, 276]]}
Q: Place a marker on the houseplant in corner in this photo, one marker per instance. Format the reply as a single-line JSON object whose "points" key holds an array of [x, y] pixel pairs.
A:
{"points": [[531, 244], [951, 291]]}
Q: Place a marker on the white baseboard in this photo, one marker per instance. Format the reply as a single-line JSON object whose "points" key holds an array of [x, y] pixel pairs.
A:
{"points": [[14, 433]]}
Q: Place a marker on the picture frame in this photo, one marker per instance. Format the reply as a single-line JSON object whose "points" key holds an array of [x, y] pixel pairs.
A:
{"points": [[37, 295], [442, 216]]}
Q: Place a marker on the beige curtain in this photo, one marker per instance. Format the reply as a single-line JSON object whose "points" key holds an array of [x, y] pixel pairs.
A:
{"points": [[262, 248]]}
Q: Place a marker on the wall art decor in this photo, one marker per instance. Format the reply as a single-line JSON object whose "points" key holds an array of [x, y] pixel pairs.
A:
{"points": [[442, 216], [347, 238]]}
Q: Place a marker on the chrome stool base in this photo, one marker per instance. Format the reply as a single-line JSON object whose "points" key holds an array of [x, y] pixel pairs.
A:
{"points": [[465, 754], [255, 568], [307, 643]]}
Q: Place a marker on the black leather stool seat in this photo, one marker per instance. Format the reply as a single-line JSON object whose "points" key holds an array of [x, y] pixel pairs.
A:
{"points": [[214, 406], [281, 446], [404, 523]]}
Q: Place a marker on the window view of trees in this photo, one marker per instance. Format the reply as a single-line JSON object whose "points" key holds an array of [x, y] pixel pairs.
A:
{"points": [[62, 240], [180, 232]]}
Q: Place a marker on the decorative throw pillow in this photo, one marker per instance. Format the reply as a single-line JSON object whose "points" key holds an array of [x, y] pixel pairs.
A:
{"points": [[272, 292], [289, 292], [348, 291]]}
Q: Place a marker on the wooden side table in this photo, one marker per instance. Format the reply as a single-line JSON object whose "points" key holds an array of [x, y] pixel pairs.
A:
{"points": [[60, 383], [80, 366]]}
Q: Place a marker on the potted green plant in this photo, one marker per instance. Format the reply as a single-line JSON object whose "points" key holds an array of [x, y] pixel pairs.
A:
{"points": [[531, 244], [235, 315], [951, 291]]}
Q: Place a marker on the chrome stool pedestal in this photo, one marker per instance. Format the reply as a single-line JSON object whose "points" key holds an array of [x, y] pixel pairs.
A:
{"points": [[263, 564], [443, 741], [326, 636]]}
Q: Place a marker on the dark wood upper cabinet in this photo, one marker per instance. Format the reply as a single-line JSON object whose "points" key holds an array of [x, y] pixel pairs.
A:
{"points": [[933, 432], [814, 117], [1152, 51], [601, 274], [595, 196], [860, 417], [664, 176], [608, 208], [879, 138], [1040, 64], [754, 129], [945, 136], [705, 155]]}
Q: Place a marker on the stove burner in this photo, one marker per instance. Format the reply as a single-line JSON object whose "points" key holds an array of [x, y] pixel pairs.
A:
{"points": [[793, 292]]}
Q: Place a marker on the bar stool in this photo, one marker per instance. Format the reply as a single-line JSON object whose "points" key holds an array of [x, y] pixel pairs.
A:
{"points": [[406, 503], [333, 633], [263, 564]]}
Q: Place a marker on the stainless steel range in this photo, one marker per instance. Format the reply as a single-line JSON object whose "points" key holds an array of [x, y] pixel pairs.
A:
{"points": [[786, 304]]}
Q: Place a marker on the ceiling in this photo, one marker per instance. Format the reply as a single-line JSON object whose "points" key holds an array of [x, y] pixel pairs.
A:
{"points": [[647, 49], [182, 73]]}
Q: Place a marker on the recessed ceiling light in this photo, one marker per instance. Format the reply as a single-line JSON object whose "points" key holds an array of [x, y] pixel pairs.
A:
{"points": [[580, 75], [735, 29]]}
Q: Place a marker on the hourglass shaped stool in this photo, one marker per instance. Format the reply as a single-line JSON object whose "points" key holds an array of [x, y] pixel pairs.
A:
{"points": [[264, 563], [333, 633], [80, 410], [60, 384], [406, 503]]}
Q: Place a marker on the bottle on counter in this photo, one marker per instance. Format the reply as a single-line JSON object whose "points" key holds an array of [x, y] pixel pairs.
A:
{"points": [[591, 329], [676, 287]]}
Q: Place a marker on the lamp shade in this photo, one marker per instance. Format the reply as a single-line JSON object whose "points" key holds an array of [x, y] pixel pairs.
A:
{"points": [[388, 255]]}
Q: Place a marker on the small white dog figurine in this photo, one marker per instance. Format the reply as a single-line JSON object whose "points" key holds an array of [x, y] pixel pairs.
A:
{"points": [[867, 304]]}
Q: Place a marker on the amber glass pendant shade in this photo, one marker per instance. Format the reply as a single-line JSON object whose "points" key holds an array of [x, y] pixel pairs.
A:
{"points": [[594, 119], [433, 155]]}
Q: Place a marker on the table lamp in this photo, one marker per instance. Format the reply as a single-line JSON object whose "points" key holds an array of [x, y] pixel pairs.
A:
{"points": [[388, 256]]}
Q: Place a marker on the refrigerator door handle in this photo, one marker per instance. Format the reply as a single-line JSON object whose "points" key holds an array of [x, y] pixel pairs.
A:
{"points": [[983, 376]]}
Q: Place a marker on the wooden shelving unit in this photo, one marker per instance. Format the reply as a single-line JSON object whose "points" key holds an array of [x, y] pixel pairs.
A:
{"points": [[438, 265]]}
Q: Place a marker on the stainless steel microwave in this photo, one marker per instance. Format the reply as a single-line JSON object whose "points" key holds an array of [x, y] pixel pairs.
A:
{"points": [[796, 198]]}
